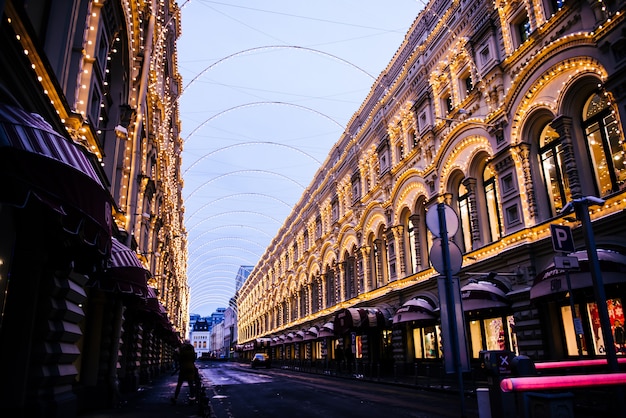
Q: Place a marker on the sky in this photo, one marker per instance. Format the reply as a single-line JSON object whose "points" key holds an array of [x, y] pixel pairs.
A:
{"points": [[268, 89]]}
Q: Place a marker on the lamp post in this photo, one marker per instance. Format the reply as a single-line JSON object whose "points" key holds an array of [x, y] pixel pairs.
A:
{"points": [[581, 208]]}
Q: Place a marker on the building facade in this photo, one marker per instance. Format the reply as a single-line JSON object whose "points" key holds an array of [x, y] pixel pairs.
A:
{"points": [[503, 111], [93, 290]]}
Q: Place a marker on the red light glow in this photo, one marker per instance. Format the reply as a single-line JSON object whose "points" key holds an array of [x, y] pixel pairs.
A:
{"points": [[521, 384], [575, 363]]}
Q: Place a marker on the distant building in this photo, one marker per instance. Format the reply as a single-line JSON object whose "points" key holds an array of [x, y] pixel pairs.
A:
{"points": [[242, 275], [199, 336]]}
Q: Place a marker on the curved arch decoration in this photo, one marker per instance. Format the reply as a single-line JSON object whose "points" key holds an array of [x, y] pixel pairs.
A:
{"points": [[268, 47], [252, 104], [230, 173], [241, 144]]}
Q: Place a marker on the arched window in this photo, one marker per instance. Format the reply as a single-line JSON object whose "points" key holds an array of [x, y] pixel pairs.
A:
{"points": [[349, 276], [551, 156], [605, 143], [412, 235], [491, 199], [331, 293], [464, 214]]}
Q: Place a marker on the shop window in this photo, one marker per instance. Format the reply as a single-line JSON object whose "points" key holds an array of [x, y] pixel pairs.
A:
{"points": [[493, 334], [605, 143], [427, 342], [616, 319], [552, 165]]}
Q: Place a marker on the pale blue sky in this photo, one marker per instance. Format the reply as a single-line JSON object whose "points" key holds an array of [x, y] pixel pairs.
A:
{"points": [[268, 89]]}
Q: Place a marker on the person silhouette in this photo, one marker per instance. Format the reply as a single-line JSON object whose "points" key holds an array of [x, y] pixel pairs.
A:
{"points": [[187, 371]]}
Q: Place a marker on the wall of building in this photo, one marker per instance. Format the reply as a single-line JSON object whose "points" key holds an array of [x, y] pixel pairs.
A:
{"points": [[472, 111]]}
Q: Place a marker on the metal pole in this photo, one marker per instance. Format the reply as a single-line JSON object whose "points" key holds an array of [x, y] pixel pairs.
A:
{"points": [[582, 212], [452, 325]]}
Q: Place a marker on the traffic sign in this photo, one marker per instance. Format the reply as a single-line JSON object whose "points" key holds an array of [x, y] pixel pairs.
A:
{"points": [[452, 221], [562, 238], [437, 257]]}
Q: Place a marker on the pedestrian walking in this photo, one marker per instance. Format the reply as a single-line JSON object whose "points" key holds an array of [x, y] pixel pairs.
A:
{"points": [[187, 371]]}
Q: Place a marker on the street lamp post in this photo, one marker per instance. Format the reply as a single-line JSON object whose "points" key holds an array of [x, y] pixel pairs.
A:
{"points": [[581, 208]]}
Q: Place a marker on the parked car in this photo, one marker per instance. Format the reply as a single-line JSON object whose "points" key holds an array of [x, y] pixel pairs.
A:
{"points": [[260, 360]]}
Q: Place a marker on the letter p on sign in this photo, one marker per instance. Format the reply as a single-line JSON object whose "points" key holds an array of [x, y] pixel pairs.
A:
{"points": [[562, 238]]}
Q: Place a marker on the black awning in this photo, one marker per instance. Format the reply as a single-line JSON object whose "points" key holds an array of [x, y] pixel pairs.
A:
{"points": [[37, 162], [355, 319], [483, 295], [552, 280], [125, 274], [420, 308]]}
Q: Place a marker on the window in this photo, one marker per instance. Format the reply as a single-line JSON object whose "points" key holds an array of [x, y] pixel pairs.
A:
{"points": [[427, 342], [593, 342], [448, 105], [512, 215], [523, 29], [507, 183], [492, 334], [491, 198], [556, 182], [485, 55], [412, 232], [464, 213], [605, 143], [334, 208]]}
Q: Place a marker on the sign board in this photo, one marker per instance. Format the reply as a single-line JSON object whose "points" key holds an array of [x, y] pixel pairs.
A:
{"points": [[452, 221], [562, 238], [565, 262], [436, 257]]}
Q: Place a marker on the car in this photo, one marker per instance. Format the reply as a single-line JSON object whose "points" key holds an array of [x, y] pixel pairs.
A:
{"points": [[260, 360]]}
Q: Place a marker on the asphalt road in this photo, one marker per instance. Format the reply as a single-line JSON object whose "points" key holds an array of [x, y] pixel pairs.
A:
{"points": [[236, 391]]}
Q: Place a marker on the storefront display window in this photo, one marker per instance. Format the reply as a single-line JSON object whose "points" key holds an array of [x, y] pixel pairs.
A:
{"points": [[427, 342], [616, 319], [359, 347], [571, 331], [493, 334]]}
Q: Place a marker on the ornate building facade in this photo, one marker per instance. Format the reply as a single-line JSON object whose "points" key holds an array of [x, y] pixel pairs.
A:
{"points": [[93, 289], [504, 111]]}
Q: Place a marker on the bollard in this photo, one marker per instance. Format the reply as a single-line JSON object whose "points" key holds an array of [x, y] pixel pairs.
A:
{"points": [[484, 406]]}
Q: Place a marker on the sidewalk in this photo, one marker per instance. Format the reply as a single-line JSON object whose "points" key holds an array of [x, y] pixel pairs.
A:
{"points": [[152, 400]]}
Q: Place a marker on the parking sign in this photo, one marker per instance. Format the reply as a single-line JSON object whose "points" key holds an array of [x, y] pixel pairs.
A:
{"points": [[562, 238]]}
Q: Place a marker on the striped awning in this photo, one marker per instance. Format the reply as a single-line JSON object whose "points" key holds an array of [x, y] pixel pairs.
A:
{"points": [[125, 274], [481, 294], [38, 163], [355, 319], [419, 308], [552, 281]]}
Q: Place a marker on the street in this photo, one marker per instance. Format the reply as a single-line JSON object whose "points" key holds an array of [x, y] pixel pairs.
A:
{"points": [[236, 391]]}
